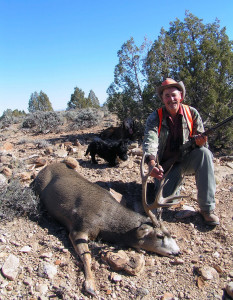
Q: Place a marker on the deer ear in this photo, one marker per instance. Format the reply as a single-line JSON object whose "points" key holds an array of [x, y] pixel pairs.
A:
{"points": [[144, 230]]}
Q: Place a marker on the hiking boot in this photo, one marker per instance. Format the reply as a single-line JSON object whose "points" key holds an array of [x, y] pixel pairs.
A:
{"points": [[210, 218]]}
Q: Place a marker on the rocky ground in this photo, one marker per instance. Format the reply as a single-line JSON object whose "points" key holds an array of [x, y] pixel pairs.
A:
{"points": [[37, 259]]}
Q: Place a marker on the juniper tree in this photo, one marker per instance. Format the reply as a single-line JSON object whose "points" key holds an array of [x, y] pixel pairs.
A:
{"points": [[77, 100], [39, 102]]}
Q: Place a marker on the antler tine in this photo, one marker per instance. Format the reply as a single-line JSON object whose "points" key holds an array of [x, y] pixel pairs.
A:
{"points": [[144, 191], [159, 202], [142, 169], [169, 201]]}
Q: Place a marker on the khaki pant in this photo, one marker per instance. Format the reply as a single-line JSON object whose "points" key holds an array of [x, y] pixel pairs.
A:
{"points": [[199, 162]]}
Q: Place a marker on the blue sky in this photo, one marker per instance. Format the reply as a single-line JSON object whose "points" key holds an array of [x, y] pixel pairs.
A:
{"points": [[56, 45]]}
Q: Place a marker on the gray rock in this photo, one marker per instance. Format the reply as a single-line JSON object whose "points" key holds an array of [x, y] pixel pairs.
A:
{"points": [[229, 289], [10, 267], [47, 270], [3, 182], [208, 273], [61, 153]]}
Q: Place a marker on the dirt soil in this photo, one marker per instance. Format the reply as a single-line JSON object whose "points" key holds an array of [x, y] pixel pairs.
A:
{"points": [[201, 246]]}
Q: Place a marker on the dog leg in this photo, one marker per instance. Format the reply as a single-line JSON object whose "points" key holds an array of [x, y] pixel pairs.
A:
{"points": [[93, 160]]}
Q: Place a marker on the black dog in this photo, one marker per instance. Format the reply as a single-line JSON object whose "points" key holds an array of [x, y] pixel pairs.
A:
{"points": [[108, 151]]}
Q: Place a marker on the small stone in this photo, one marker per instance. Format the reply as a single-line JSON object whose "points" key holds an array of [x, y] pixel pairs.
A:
{"points": [[25, 176], [28, 281], [200, 282], [10, 267], [48, 150], [218, 268], [150, 262], [207, 250], [15, 243], [3, 254], [216, 254], [167, 296], [181, 295], [177, 261], [40, 162], [95, 265], [194, 260], [133, 145], [47, 270], [7, 146], [4, 159], [77, 143], [71, 162], [67, 144], [9, 288], [42, 288], [142, 292], [25, 249], [61, 153], [3, 182], [7, 172], [231, 274], [46, 255], [132, 264], [58, 262], [229, 289], [208, 273], [136, 151], [2, 239], [116, 277]]}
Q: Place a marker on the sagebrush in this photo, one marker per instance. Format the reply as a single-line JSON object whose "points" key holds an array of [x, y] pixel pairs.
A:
{"points": [[43, 122], [17, 200]]}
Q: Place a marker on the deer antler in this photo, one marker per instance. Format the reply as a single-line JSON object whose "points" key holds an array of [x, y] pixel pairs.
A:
{"points": [[159, 201]]}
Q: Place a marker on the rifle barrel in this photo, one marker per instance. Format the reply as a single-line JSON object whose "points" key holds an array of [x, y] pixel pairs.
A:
{"points": [[207, 132], [218, 125]]}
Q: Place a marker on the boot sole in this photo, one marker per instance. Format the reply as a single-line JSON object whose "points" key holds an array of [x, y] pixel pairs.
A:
{"points": [[212, 223]]}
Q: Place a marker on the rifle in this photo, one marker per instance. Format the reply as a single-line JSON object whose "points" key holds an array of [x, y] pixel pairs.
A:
{"points": [[188, 146]]}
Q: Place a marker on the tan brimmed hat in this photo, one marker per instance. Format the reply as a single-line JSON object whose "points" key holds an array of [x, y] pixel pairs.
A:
{"points": [[169, 82]]}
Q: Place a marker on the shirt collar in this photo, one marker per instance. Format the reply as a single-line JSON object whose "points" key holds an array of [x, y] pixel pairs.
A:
{"points": [[180, 112]]}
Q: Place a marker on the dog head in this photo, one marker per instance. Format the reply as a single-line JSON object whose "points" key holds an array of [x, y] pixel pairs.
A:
{"points": [[128, 124], [122, 150]]}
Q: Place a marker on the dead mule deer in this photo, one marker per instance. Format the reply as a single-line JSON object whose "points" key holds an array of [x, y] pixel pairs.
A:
{"points": [[88, 211]]}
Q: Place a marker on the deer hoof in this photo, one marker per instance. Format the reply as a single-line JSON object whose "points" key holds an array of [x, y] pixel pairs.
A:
{"points": [[90, 287]]}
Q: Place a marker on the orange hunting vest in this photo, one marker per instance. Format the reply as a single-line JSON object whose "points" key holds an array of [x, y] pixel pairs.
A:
{"points": [[187, 114]]}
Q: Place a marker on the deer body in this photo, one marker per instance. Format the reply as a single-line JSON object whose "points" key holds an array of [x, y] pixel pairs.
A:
{"points": [[88, 211]]}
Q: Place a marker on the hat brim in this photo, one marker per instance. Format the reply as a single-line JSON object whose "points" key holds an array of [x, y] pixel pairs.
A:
{"points": [[179, 85]]}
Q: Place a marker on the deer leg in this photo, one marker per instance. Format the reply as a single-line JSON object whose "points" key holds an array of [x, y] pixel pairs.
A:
{"points": [[79, 241]]}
